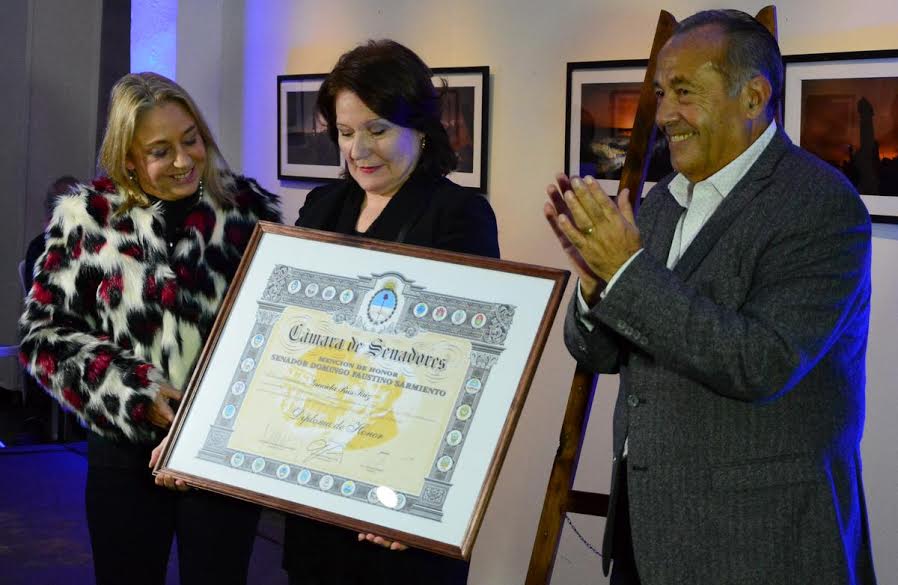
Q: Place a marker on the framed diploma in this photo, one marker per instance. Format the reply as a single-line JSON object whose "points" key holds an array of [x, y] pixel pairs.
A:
{"points": [[371, 385]]}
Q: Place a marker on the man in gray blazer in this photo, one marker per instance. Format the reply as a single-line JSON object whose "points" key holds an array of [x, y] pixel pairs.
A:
{"points": [[736, 312]]}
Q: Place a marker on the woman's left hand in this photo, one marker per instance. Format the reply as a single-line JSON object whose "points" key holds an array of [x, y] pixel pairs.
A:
{"points": [[381, 541], [162, 478]]}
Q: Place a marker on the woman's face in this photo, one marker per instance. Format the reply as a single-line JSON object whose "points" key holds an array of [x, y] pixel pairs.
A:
{"points": [[167, 152], [380, 155]]}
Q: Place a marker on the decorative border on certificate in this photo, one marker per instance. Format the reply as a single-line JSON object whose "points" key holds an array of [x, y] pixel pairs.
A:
{"points": [[366, 384], [387, 306]]}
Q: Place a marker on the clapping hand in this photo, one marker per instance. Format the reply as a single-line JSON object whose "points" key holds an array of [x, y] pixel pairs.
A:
{"points": [[597, 235]]}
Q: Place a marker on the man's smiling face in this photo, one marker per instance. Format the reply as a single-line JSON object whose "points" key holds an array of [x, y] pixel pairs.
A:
{"points": [[705, 125]]}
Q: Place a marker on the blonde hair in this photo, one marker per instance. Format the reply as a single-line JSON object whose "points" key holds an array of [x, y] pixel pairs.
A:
{"points": [[131, 97]]}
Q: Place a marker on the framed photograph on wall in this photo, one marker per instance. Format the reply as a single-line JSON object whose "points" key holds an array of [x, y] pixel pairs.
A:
{"points": [[843, 107], [305, 151], [602, 98], [371, 385], [466, 118]]}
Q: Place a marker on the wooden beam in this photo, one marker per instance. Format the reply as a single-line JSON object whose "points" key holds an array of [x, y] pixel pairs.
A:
{"points": [[642, 140], [559, 497]]}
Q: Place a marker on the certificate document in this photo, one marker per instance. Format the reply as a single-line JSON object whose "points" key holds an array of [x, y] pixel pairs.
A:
{"points": [[358, 385], [366, 384]]}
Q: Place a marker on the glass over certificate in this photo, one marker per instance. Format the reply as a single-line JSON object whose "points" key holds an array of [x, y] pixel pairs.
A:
{"points": [[370, 385]]}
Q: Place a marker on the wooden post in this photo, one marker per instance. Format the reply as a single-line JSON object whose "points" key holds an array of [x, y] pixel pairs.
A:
{"points": [[642, 139], [558, 492], [767, 17], [560, 497]]}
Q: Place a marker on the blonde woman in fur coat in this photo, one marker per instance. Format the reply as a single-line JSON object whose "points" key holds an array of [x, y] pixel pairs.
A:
{"points": [[133, 272]]}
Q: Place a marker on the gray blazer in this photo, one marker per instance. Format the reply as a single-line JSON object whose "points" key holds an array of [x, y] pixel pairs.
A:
{"points": [[742, 382]]}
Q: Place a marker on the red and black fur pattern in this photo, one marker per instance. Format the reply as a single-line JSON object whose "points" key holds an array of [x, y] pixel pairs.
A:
{"points": [[112, 313]]}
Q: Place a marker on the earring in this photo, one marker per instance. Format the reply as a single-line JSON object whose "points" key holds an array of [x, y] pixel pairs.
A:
{"points": [[423, 141], [134, 190], [134, 186], [200, 190]]}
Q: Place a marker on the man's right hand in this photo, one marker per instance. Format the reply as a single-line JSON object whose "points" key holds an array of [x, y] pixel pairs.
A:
{"points": [[161, 413], [590, 283]]}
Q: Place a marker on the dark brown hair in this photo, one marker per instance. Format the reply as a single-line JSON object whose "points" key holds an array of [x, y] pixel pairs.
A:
{"points": [[751, 50], [396, 85]]}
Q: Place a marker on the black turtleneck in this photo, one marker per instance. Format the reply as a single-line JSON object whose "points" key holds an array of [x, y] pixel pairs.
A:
{"points": [[175, 212]]}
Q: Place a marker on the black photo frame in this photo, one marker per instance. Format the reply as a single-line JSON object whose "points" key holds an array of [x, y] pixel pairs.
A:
{"points": [[843, 107], [305, 151], [600, 107], [465, 93]]}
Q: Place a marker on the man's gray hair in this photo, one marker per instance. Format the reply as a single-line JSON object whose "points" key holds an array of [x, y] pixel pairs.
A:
{"points": [[751, 50]]}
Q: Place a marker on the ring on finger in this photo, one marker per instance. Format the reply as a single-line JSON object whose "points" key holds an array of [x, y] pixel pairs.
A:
{"points": [[587, 231]]}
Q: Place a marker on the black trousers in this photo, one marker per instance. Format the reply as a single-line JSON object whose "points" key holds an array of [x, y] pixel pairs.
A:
{"points": [[132, 523], [409, 567], [323, 554], [623, 567]]}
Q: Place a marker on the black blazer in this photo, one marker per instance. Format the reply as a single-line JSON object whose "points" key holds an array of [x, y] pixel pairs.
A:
{"points": [[435, 213]]}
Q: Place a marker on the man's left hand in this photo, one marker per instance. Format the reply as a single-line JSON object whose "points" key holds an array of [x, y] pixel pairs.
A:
{"points": [[605, 234]]}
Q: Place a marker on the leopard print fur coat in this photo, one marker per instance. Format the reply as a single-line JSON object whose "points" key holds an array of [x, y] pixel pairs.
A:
{"points": [[113, 312]]}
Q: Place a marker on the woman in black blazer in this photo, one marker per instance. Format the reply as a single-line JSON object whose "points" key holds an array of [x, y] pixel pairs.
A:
{"points": [[382, 110]]}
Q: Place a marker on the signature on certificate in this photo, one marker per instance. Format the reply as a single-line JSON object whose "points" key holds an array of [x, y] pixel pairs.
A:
{"points": [[324, 450]]}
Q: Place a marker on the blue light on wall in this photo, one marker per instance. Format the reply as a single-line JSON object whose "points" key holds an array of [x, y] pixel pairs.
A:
{"points": [[154, 36]]}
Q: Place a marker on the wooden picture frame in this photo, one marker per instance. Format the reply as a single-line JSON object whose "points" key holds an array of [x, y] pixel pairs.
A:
{"points": [[843, 107], [305, 151], [344, 377], [465, 114]]}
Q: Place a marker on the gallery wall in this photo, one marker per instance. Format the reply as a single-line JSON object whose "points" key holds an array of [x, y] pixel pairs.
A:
{"points": [[231, 51], [50, 66]]}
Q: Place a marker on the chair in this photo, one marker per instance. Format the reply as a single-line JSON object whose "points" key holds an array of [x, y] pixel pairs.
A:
{"points": [[13, 350]]}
